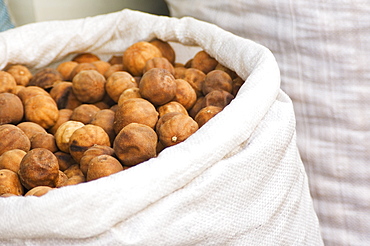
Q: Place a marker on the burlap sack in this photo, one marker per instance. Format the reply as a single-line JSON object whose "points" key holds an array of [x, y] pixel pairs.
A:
{"points": [[238, 180]]}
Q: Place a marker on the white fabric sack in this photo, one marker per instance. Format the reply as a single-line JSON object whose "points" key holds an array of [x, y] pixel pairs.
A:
{"points": [[238, 180], [323, 52]]}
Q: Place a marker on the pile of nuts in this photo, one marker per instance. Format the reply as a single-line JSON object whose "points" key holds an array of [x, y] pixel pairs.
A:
{"points": [[88, 118]]}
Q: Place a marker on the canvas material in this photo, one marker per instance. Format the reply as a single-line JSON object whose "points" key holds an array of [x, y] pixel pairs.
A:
{"points": [[238, 180], [322, 49]]}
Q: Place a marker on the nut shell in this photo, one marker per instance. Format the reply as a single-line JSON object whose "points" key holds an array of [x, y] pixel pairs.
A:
{"points": [[7, 82], [89, 86], [10, 183], [11, 108], [21, 74], [90, 153], [46, 78], [102, 166], [11, 159], [13, 137], [117, 83], [42, 110]]}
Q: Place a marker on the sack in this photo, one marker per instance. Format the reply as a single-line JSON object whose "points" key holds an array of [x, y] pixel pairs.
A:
{"points": [[322, 52], [238, 180]]}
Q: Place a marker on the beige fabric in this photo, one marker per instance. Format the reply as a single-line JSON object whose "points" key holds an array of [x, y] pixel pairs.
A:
{"points": [[238, 180], [323, 50]]}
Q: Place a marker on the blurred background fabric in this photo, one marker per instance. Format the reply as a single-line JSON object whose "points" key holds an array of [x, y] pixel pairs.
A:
{"points": [[5, 21]]}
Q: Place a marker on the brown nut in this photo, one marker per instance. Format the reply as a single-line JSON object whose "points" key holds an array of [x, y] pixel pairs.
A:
{"points": [[64, 133], [82, 67], [237, 83], [21, 74], [135, 143], [128, 94], [42, 110], [217, 80], [85, 57], [135, 57], [92, 152], [84, 113], [135, 110], [65, 160], [44, 140], [185, 94], [10, 183], [30, 128], [66, 68], [62, 179], [101, 66], [197, 106], [39, 167], [176, 130], [205, 114], [166, 49], [158, 86], [38, 191], [85, 137], [63, 95], [112, 69], [102, 166], [13, 137], [218, 98], [172, 107], [64, 115], [7, 82], [159, 62], [105, 119], [117, 83], [180, 72], [115, 59], [204, 62], [30, 91], [73, 171], [164, 118], [46, 78], [195, 78], [75, 180], [11, 108], [230, 72], [89, 86], [11, 159]]}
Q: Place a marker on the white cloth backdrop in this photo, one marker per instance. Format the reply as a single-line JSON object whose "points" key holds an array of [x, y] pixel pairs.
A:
{"points": [[238, 180], [323, 51]]}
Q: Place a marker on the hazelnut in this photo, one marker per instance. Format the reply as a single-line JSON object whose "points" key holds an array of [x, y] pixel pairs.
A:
{"points": [[101, 66], [158, 86], [105, 119], [85, 137], [10, 183], [217, 80], [21, 74], [64, 115], [44, 140], [115, 59], [64, 133], [85, 57], [185, 94], [166, 49], [164, 118], [102, 166], [133, 92], [11, 159], [13, 137], [195, 78], [176, 130], [90, 153], [89, 86], [65, 160], [218, 98], [159, 62], [172, 107], [204, 62], [135, 143], [117, 83], [30, 128], [136, 110], [39, 167], [38, 191], [82, 67], [66, 68], [11, 108], [31, 91], [112, 69], [46, 78], [42, 110], [205, 114], [63, 95], [7, 82], [135, 56], [84, 113]]}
